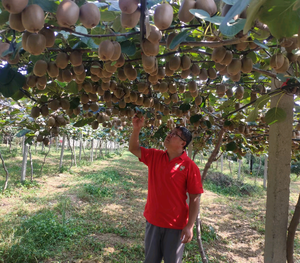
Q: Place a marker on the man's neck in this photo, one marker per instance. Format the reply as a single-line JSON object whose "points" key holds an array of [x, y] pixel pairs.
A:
{"points": [[174, 154]]}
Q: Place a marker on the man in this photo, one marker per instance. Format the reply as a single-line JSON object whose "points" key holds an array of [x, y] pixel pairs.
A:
{"points": [[171, 174]]}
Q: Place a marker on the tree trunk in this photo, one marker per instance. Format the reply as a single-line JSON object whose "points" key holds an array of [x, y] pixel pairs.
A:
{"points": [[100, 149], [239, 171], [291, 233], [258, 170], [280, 148], [72, 155], [24, 162], [56, 141], [199, 240], [214, 154], [6, 172], [74, 152], [222, 159], [229, 165], [80, 147], [265, 171], [92, 147], [46, 156], [31, 165], [62, 152]]}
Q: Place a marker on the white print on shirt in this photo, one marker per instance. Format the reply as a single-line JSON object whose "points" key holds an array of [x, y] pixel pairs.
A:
{"points": [[182, 168]]}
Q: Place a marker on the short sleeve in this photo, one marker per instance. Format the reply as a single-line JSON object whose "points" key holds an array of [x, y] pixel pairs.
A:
{"points": [[194, 183], [146, 155]]}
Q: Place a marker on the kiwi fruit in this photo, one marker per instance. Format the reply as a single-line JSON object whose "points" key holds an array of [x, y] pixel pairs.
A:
{"points": [[284, 67], [35, 112], [130, 20], [76, 58], [227, 59], [65, 104], [174, 63], [95, 125], [89, 15], [185, 62], [198, 100], [207, 5], [242, 46], [203, 74], [172, 87], [31, 81], [49, 35], [148, 61], [154, 35], [247, 65], [128, 6], [36, 44], [239, 93], [24, 40], [53, 70], [109, 68], [54, 104], [87, 86], [121, 75], [4, 47], [185, 73], [40, 68], [78, 70], [46, 141], [220, 66], [149, 48], [163, 16], [130, 71], [170, 39], [218, 54], [277, 61], [94, 106], [62, 60], [67, 75], [168, 71], [292, 57], [220, 90], [14, 60], [81, 77], [33, 18], [95, 68], [51, 121], [117, 51], [120, 61], [15, 22], [39, 138], [236, 77], [195, 69], [234, 67], [192, 86], [181, 88], [229, 93], [184, 14], [14, 6], [212, 74], [42, 81], [161, 73], [106, 50], [67, 13]]}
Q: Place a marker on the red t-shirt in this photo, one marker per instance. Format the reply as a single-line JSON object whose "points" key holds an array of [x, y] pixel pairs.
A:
{"points": [[168, 182]]}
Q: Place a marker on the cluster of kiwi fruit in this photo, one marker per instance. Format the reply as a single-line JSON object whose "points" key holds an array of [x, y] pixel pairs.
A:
{"points": [[42, 138]]}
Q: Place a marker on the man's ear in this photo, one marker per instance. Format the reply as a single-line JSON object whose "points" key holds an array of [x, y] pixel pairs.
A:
{"points": [[183, 144]]}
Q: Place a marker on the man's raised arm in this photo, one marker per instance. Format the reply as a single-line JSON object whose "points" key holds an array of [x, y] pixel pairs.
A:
{"points": [[134, 144]]}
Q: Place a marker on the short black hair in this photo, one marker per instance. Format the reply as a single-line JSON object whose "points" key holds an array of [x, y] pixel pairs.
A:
{"points": [[187, 135]]}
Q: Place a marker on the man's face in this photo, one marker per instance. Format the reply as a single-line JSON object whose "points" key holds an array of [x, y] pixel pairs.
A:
{"points": [[175, 140]]}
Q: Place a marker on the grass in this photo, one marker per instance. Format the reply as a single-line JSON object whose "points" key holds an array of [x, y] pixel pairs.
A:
{"points": [[94, 212]]}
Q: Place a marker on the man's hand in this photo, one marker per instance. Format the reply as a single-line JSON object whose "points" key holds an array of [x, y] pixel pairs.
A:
{"points": [[137, 122], [186, 234]]}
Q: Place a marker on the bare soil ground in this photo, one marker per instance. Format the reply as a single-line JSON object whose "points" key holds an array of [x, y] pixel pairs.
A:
{"points": [[237, 222]]}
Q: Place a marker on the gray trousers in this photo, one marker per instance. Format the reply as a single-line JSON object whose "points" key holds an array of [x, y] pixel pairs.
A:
{"points": [[162, 243]]}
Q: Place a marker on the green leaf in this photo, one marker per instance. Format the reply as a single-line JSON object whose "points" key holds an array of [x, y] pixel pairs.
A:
{"points": [[83, 122], [231, 146], [18, 95], [275, 115], [10, 81], [208, 124], [195, 118], [4, 16], [80, 29], [117, 26], [185, 107], [128, 47], [72, 88], [230, 2], [262, 101], [108, 16], [252, 116], [47, 5], [260, 44], [280, 17], [205, 16], [74, 103], [233, 28], [22, 133], [179, 38]]}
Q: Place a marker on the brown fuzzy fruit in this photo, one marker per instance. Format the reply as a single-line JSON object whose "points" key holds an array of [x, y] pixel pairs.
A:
{"points": [[218, 54], [149, 48], [227, 59], [117, 51], [67, 13], [239, 93], [184, 14], [33, 18], [163, 16], [53, 70], [15, 22], [174, 63], [277, 61], [203, 74], [44, 110], [130, 21], [234, 67], [40, 68], [128, 6], [106, 50], [247, 65], [62, 60], [36, 44], [185, 62], [284, 67], [89, 15], [54, 104], [49, 35], [35, 112], [76, 58], [24, 40], [14, 6], [155, 35], [65, 104], [207, 5]]}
